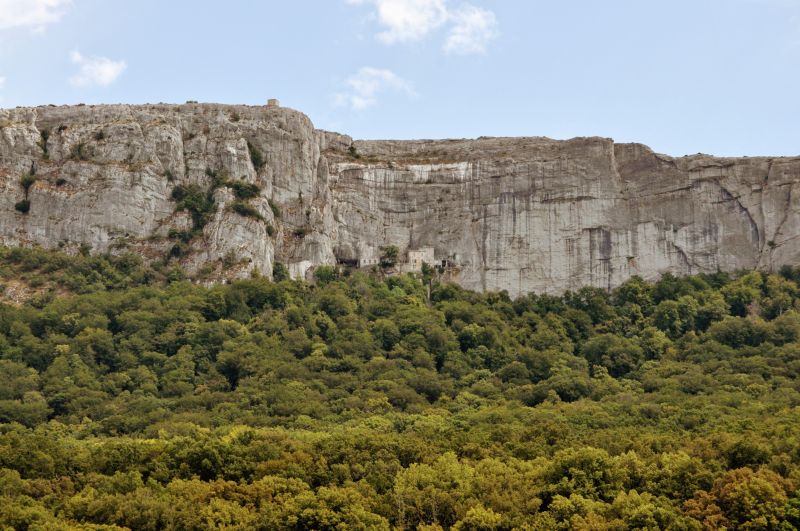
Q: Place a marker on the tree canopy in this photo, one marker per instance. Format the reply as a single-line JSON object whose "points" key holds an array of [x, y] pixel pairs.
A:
{"points": [[134, 398]]}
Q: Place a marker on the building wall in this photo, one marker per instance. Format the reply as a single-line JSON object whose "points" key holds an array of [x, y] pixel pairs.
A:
{"points": [[417, 257]]}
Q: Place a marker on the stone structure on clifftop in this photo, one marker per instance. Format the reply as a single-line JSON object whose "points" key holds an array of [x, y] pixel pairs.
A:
{"points": [[520, 214]]}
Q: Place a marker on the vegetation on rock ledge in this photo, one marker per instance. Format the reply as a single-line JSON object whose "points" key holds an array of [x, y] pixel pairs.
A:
{"points": [[201, 206]]}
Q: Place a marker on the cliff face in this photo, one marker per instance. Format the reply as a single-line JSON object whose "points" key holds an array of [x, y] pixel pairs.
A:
{"points": [[521, 214]]}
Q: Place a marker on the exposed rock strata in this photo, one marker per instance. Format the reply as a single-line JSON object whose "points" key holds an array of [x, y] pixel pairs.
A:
{"points": [[521, 214]]}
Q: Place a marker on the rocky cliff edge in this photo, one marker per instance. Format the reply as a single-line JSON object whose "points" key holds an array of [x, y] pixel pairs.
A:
{"points": [[225, 189]]}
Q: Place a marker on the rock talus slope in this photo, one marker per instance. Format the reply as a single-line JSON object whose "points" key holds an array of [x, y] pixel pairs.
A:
{"points": [[520, 214]]}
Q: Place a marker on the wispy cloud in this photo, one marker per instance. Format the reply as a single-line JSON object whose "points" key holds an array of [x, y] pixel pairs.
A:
{"points": [[34, 14], [470, 28], [407, 20], [2, 81], [95, 71], [365, 85], [473, 28]]}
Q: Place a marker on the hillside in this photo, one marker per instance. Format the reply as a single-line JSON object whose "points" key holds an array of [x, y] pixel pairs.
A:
{"points": [[133, 398]]}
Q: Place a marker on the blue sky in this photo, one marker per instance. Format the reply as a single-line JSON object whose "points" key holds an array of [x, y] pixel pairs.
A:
{"points": [[713, 76]]}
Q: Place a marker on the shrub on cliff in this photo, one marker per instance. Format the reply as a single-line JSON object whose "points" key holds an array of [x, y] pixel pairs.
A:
{"points": [[23, 206], [256, 157], [197, 201], [276, 211], [244, 190], [248, 211], [26, 181]]}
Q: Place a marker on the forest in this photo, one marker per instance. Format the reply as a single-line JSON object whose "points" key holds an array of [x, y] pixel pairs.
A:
{"points": [[135, 398]]}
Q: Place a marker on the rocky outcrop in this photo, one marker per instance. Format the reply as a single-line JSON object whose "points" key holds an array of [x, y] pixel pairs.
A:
{"points": [[520, 214]]}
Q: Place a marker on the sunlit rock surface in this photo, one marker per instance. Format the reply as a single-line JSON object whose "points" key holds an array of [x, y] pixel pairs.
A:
{"points": [[520, 214]]}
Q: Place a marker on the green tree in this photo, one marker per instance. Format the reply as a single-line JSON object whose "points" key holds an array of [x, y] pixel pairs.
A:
{"points": [[617, 354], [389, 255]]}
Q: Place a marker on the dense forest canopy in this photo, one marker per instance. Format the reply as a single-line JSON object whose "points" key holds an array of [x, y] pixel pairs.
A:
{"points": [[134, 398]]}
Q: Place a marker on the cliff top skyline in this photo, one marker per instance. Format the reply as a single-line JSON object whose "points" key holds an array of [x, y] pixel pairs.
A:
{"points": [[715, 76], [50, 115]]}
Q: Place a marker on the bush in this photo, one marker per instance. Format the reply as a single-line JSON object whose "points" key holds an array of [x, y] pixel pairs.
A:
{"points": [[179, 250], [325, 274], [276, 211], [217, 179], [23, 206], [389, 255], [738, 332], [27, 181], [618, 354], [183, 235], [230, 259], [79, 152], [243, 209], [198, 202], [279, 272], [244, 190], [255, 156], [44, 135]]}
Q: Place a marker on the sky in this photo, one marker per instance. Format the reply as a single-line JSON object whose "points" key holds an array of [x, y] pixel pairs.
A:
{"points": [[682, 76]]}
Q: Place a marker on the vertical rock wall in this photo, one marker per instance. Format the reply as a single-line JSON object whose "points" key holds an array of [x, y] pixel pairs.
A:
{"points": [[521, 214]]}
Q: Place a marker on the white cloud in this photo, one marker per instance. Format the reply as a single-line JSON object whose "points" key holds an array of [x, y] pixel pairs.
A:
{"points": [[2, 81], [470, 28], [100, 71], [407, 20], [473, 28], [35, 14], [366, 84]]}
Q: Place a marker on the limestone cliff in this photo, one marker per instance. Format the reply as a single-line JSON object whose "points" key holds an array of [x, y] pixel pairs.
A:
{"points": [[521, 214]]}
